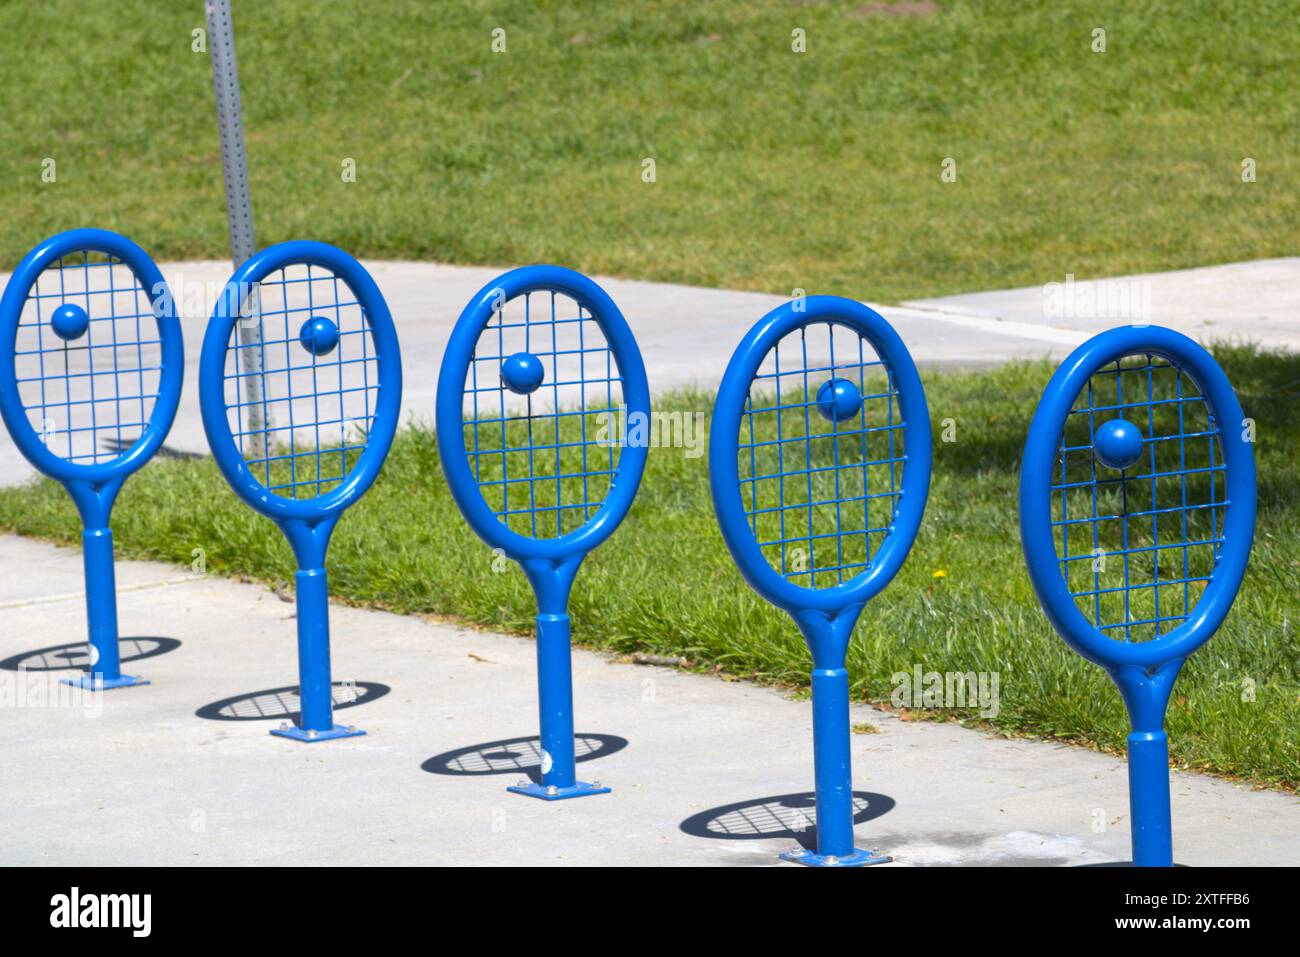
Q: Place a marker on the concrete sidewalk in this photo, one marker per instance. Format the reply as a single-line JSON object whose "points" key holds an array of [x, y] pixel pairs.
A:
{"points": [[704, 772], [687, 334], [1255, 301]]}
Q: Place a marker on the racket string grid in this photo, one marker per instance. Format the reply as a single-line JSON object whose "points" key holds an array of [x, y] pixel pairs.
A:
{"points": [[1137, 546], [89, 399], [820, 494], [315, 412], [544, 467]]}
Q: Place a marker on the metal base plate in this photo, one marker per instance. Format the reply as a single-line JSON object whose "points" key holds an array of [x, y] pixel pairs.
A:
{"points": [[579, 789], [859, 858], [298, 734], [93, 683]]}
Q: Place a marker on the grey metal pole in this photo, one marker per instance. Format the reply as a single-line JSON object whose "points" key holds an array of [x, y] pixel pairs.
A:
{"points": [[239, 211]]}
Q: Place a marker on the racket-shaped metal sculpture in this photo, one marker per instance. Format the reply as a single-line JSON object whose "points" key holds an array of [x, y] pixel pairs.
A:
{"points": [[90, 376], [1137, 510], [543, 408], [319, 344], [819, 462]]}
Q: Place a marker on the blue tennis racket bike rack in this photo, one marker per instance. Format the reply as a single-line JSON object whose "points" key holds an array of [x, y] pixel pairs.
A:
{"points": [[300, 407], [819, 465], [539, 384], [1137, 512], [90, 378]]}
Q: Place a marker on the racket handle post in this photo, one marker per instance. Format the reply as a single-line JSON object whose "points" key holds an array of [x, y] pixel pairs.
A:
{"points": [[105, 666], [555, 710], [834, 772], [1148, 789], [832, 762], [315, 689], [555, 700], [314, 686], [104, 671]]}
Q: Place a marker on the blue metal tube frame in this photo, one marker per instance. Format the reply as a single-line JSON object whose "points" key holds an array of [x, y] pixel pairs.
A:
{"points": [[549, 563], [307, 523], [93, 486], [826, 616], [1144, 671]]}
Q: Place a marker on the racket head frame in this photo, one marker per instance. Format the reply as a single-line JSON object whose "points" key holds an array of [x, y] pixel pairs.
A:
{"points": [[451, 423], [724, 446], [1040, 462], [94, 475], [826, 616], [212, 382]]}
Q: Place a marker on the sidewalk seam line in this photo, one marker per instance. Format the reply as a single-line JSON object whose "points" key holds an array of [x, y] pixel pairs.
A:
{"points": [[140, 586]]}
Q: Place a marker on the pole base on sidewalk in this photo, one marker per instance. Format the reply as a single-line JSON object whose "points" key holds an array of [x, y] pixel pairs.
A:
{"points": [[299, 734], [551, 793], [100, 683], [859, 858]]}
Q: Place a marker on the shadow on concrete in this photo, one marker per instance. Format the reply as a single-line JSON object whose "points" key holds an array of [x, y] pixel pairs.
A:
{"points": [[789, 816], [1120, 864], [77, 655], [283, 703], [518, 756], [110, 444]]}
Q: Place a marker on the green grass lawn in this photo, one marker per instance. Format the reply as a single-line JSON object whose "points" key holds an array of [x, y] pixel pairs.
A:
{"points": [[665, 583], [774, 170]]}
